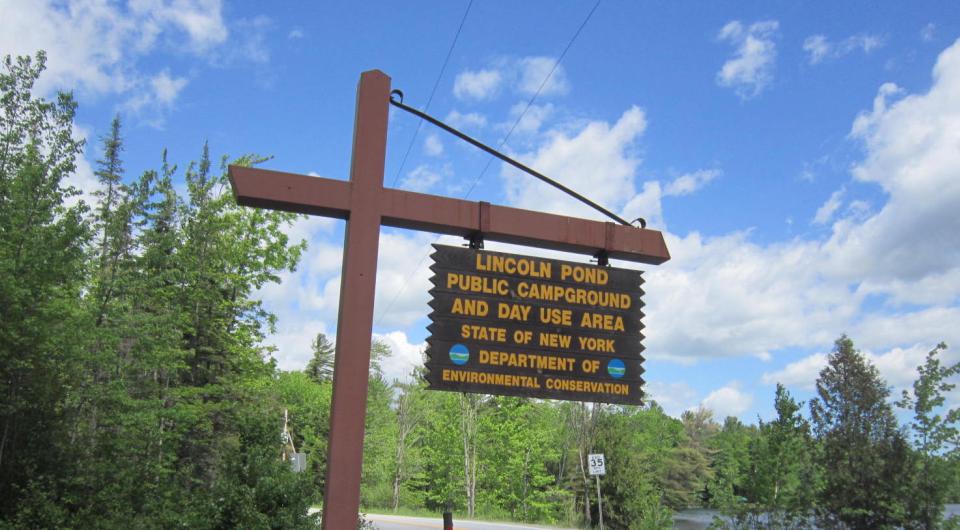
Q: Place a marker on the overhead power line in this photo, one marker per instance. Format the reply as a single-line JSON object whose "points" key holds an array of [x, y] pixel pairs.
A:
{"points": [[533, 98], [436, 83], [503, 142]]}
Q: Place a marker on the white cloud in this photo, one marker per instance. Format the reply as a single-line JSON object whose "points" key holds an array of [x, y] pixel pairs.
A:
{"points": [[404, 356], [928, 31], [467, 120], [295, 34], [819, 47], [403, 279], [727, 297], [599, 158], [646, 205], [532, 75], [154, 97], [799, 374], [897, 366], [423, 177], [201, 20], [531, 121], [691, 182], [522, 75], [911, 152], [750, 70], [728, 401], [477, 84], [93, 46], [432, 145], [828, 208], [251, 43], [82, 178], [673, 397]]}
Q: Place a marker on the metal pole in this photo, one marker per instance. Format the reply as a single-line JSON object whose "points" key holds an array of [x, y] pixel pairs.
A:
{"points": [[599, 502], [447, 521]]}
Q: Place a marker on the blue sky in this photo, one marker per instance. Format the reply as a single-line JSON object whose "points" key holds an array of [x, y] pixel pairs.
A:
{"points": [[803, 159]]}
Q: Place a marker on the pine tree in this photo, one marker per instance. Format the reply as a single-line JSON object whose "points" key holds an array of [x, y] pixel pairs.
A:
{"points": [[865, 458], [320, 366]]}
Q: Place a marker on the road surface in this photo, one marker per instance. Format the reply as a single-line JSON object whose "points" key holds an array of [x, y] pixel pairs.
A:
{"points": [[396, 522]]}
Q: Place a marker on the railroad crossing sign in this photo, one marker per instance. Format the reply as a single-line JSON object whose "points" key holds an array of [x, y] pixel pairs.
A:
{"points": [[366, 204]]}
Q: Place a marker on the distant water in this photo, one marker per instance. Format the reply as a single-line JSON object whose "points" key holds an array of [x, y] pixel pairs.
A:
{"points": [[699, 519]]}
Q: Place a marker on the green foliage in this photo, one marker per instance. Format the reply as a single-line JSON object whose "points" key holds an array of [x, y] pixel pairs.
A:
{"points": [[783, 474], [42, 272], [320, 366], [638, 443], [130, 338], [867, 458], [731, 463], [933, 435]]}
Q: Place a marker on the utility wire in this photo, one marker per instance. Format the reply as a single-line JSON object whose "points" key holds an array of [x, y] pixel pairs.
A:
{"points": [[432, 92], [534, 97], [543, 83]]}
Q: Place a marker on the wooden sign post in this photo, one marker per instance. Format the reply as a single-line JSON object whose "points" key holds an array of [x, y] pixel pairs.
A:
{"points": [[366, 205]]}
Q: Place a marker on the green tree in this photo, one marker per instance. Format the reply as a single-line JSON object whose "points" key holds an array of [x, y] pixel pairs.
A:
{"points": [[320, 366], [865, 457], [636, 443], [687, 471], [42, 242], [783, 474], [932, 436], [410, 410], [731, 463]]}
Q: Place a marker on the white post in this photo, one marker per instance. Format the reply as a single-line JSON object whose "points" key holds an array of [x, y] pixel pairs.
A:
{"points": [[599, 502]]}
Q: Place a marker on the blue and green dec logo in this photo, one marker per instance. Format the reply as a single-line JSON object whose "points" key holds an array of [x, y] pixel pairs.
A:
{"points": [[615, 368], [459, 354]]}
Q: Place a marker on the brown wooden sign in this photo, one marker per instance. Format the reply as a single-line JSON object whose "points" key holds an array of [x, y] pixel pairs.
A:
{"points": [[535, 327]]}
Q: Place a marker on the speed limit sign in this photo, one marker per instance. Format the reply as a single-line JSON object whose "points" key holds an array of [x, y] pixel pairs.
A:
{"points": [[597, 464]]}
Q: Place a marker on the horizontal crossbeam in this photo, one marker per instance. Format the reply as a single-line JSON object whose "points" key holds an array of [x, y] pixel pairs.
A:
{"points": [[443, 215]]}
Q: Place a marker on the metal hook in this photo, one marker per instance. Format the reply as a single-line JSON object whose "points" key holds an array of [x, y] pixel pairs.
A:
{"points": [[643, 222], [396, 92], [476, 241], [603, 258]]}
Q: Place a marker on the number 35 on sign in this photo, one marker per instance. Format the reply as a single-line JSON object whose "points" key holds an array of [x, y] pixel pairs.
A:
{"points": [[597, 464]]}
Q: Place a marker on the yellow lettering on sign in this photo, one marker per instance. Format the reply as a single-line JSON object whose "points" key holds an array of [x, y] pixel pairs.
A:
{"points": [[484, 378], [489, 333], [527, 360], [582, 274], [515, 266], [579, 385], [553, 315], [513, 311], [555, 340], [573, 295], [595, 344], [604, 322], [477, 284], [469, 307]]}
